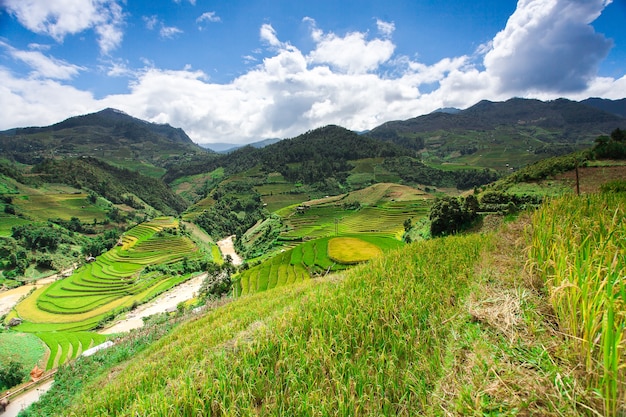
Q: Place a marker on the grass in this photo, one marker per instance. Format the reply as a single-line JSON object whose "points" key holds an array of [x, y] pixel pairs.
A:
{"points": [[577, 249], [342, 349], [451, 326], [24, 348]]}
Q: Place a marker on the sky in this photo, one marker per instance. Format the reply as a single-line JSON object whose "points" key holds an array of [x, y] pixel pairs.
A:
{"points": [[242, 71]]}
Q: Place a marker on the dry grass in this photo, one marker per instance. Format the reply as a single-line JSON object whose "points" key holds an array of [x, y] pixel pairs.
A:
{"points": [[509, 360]]}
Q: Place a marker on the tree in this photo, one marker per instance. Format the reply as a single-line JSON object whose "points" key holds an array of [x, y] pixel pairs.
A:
{"points": [[216, 284], [11, 374], [448, 215]]}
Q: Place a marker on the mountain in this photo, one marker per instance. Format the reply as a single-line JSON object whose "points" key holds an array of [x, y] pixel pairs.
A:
{"points": [[512, 133], [570, 117], [323, 150], [449, 110], [221, 147], [616, 107], [109, 134]]}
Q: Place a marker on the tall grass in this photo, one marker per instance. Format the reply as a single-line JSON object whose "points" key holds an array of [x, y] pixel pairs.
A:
{"points": [[371, 344], [578, 248]]}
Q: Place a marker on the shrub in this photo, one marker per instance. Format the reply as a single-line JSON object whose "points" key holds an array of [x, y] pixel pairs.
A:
{"points": [[11, 374]]}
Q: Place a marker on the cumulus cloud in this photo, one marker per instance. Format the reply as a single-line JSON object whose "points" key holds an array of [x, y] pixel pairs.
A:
{"points": [[21, 99], [352, 53], [548, 46], [341, 80], [60, 18], [268, 35]]}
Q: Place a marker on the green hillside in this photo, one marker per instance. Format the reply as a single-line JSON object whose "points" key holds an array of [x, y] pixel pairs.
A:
{"points": [[110, 135], [503, 135], [461, 325]]}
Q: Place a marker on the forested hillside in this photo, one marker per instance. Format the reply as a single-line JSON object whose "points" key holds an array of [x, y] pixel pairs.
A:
{"points": [[116, 184]]}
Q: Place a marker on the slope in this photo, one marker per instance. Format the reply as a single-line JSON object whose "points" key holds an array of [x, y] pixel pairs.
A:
{"points": [[109, 134], [412, 333], [502, 135]]}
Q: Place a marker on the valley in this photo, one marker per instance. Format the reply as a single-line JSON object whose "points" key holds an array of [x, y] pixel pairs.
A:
{"points": [[402, 270]]}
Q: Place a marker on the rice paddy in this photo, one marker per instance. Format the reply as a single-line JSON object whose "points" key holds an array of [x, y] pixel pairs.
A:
{"points": [[65, 346], [62, 206], [115, 281], [372, 344], [313, 258], [578, 248], [380, 209]]}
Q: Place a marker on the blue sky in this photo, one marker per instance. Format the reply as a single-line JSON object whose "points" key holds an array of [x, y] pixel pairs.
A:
{"points": [[241, 71]]}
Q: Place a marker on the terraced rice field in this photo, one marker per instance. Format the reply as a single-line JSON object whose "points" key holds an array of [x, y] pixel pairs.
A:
{"points": [[62, 206], [310, 259], [114, 281], [385, 218], [65, 346]]}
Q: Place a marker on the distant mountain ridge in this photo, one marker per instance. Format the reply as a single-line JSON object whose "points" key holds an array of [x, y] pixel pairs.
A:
{"points": [[231, 147], [573, 117], [109, 134], [616, 107]]}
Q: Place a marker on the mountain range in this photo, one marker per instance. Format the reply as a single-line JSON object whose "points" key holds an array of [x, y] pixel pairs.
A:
{"points": [[520, 130]]}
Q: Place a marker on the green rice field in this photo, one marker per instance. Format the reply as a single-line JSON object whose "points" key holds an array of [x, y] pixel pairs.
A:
{"points": [[62, 206], [115, 281], [65, 346], [309, 259]]}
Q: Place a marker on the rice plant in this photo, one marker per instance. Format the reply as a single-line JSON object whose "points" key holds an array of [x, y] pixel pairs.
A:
{"points": [[578, 248]]}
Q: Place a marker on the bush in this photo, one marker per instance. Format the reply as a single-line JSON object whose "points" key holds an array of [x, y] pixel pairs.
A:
{"points": [[11, 374], [216, 284]]}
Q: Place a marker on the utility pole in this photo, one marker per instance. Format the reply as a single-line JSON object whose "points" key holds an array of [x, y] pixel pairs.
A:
{"points": [[577, 180]]}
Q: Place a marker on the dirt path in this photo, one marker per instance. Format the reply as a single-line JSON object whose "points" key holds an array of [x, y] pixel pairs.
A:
{"points": [[22, 401], [165, 302], [228, 248]]}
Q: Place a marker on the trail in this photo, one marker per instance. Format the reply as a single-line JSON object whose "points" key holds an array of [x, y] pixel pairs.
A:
{"points": [[26, 398], [228, 248], [165, 302]]}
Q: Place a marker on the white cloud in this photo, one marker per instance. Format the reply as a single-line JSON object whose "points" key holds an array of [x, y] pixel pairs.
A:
{"points": [[268, 34], [352, 53], [151, 21], [44, 66], [165, 32], [60, 18], [548, 46], [207, 17], [385, 28], [118, 68], [340, 81], [35, 102], [169, 32]]}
